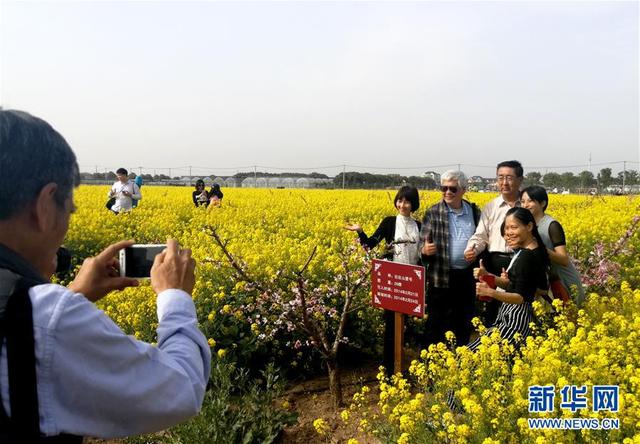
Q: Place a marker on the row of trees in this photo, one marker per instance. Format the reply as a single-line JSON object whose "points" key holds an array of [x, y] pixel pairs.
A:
{"points": [[354, 179], [584, 179], [112, 176], [567, 180], [239, 176]]}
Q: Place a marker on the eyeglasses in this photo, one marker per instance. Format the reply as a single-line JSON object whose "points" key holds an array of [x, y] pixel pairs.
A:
{"points": [[445, 188], [509, 179]]}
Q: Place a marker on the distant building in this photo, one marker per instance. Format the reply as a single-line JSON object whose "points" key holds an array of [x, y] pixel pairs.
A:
{"points": [[433, 175], [286, 182], [249, 182]]}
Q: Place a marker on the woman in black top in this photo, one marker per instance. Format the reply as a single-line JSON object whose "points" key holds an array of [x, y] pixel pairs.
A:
{"points": [[200, 196], [401, 234], [526, 273]]}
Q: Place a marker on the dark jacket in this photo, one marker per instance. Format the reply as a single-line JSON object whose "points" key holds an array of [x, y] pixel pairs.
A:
{"points": [[435, 229]]}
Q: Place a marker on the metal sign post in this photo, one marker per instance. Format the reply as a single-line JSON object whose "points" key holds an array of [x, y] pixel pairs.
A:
{"points": [[399, 288]]}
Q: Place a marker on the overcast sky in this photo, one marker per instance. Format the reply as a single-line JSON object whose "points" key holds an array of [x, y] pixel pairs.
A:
{"points": [[418, 85]]}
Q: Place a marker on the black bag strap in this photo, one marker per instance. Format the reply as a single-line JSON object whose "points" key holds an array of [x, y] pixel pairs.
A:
{"points": [[23, 392], [16, 327]]}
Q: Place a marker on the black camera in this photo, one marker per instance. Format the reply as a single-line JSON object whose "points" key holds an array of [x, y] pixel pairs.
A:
{"points": [[63, 261], [136, 261]]}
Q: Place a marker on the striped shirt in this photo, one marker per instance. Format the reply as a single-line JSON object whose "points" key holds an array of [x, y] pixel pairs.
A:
{"points": [[461, 228]]}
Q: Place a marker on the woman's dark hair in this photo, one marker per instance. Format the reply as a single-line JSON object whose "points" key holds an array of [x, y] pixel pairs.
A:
{"points": [[199, 183], [215, 187], [539, 194], [409, 193], [525, 217], [122, 171]]}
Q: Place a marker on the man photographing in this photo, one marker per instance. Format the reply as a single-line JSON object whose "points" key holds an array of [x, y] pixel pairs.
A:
{"points": [[66, 370]]}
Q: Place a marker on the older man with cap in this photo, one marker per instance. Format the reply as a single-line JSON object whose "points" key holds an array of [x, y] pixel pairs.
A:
{"points": [[66, 370]]}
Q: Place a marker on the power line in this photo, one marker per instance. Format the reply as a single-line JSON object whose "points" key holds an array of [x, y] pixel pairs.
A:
{"points": [[423, 168]]}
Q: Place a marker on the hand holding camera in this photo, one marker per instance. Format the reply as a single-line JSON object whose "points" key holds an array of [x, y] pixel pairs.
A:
{"points": [[173, 268], [101, 274]]}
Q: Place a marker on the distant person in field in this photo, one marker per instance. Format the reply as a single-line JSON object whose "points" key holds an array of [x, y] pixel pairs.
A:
{"points": [[66, 369], [138, 181], [402, 236], [215, 195], [451, 288], [199, 195], [124, 191], [487, 239], [561, 272]]}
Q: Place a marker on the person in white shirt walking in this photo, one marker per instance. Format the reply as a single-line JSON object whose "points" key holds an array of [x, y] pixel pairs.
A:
{"points": [[124, 191]]}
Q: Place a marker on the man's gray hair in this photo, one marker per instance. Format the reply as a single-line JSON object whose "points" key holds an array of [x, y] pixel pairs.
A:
{"points": [[455, 175], [32, 154]]}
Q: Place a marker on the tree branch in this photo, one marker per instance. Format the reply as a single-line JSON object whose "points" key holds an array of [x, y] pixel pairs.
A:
{"points": [[232, 260]]}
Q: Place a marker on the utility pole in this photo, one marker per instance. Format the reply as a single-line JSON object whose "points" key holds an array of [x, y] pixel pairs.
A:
{"points": [[255, 176], [624, 174], [344, 173], [189, 172]]}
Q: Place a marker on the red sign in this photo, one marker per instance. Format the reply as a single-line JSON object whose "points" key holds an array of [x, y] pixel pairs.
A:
{"points": [[398, 287]]}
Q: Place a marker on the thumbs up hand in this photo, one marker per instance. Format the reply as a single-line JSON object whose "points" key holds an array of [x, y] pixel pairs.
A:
{"points": [[479, 272], [470, 253], [429, 249]]}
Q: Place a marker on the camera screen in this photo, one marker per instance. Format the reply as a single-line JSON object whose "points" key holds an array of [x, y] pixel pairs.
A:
{"points": [[139, 260]]}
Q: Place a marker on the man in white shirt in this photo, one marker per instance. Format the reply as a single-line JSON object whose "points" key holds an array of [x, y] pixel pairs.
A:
{"points": [[124, 191], [487, 237], [66, 369]]}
